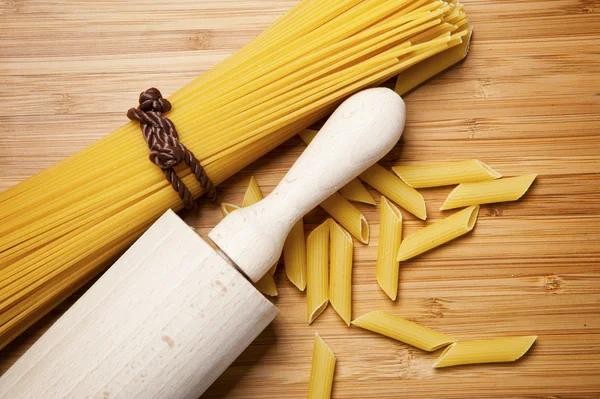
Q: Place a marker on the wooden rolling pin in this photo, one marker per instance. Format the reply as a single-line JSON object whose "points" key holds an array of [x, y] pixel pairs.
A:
{"points": [[172, 313]]}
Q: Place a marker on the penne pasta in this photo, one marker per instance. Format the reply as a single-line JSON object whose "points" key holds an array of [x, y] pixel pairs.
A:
{"points": [[499, 350], [438, 233], [317, 271], [355, 191], [322, 370], [340, 271], [403, 330], [390, 237], [294, 256], [488, 192], [348, 216], [227, 208], [446, 174], [395, 190], [266, 284]]}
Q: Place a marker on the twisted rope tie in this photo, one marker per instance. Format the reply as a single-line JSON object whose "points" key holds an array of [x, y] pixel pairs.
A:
{"points": [[165, 149]]}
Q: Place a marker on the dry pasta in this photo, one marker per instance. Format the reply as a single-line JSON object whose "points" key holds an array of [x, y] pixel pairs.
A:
{"points": [[488, 192], [395, 190], [310, 60], [445, 174], [227, 208], [317, 271], [348, 216], [403, 330], [294, 256], [340, 271], [499, 350], [322, 370], [356, 192], [438, 233], [390, 237], [266, 284]]}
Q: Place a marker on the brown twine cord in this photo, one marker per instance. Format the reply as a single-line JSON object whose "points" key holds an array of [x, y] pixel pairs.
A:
{"points": [[165, 149]]}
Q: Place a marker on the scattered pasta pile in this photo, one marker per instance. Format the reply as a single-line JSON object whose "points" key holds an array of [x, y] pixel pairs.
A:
{"points": [[63, 226], [322, 264]]}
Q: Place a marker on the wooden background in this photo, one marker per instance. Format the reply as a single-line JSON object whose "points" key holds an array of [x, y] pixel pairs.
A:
{"points": [[527, 100]]}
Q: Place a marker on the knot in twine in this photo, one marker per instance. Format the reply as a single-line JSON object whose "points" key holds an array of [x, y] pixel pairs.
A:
{"points": [[165, 149]]}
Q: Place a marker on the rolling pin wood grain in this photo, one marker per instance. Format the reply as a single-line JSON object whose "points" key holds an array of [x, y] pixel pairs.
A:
{"points": [[172, 314]]}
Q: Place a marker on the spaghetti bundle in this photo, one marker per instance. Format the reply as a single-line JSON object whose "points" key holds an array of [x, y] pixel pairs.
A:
{"points": [[60, 228]]}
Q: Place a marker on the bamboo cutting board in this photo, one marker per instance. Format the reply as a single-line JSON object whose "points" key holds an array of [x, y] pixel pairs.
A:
{"points": [[527, 100]]}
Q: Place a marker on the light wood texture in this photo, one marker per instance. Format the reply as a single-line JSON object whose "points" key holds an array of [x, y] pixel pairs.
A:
{"points": [[526, 100], [359, 133], [163, 322]]}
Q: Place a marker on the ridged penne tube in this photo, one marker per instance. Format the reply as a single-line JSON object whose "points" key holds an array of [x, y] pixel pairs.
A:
{"points": [[294, 256], [390, 237], [348, 216], [438, 233], [322, 370], [446, 174], [340, 271], [395, 190], [488, 192], [499, 350], [317, 271], [266, 284], [403, 330], [227, 208], [355, 191]]}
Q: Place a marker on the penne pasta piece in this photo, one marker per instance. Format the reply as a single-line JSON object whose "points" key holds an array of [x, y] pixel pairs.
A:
{"points": [[266, 285], [227, 208], [317, 271], [355, 191], [499, 350], [425, 70], [294, 256], [253, 193], [403, 330], [395, 190], [348, 216], [488, 192], [446, 174], [340, 271], [438, 233], [390, 237], [322, 370]]}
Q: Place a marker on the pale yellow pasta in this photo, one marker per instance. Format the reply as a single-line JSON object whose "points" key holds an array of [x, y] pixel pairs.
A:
{"points": [[430, 67], [438, 233], [446, 174], [340, 271], [488, 192], [317, 271], [390, 237], [253, 193], [227, 208], [500, 350], [348, 216], [395, 190], [322, 370], [354, 191], [403, 330], [294, 256], [266, 284]]}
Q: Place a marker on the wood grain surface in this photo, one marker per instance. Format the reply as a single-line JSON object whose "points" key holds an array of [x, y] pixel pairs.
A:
{"points": [[527, 100]]}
